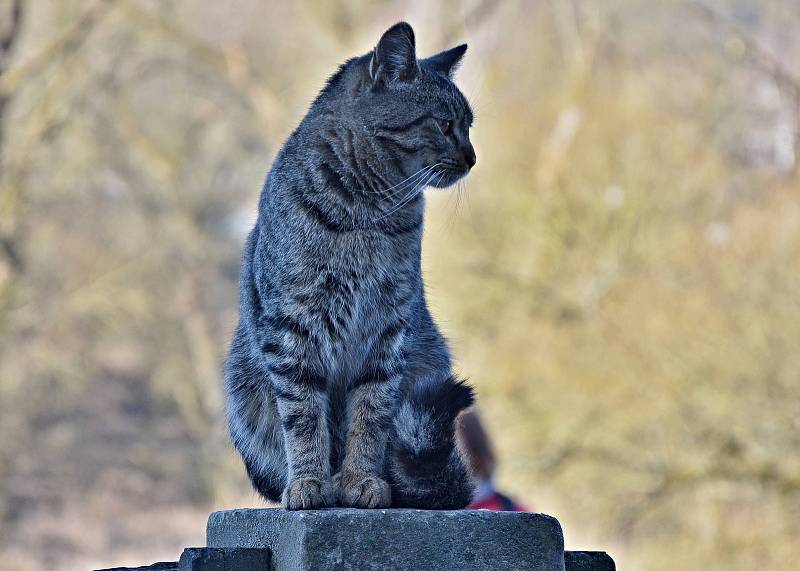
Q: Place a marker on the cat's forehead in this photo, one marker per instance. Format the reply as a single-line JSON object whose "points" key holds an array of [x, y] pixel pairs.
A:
{"points": [[435, 89]]}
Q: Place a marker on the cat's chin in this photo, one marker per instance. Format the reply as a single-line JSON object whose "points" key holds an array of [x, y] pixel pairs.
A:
{"points": [[449, 179]]}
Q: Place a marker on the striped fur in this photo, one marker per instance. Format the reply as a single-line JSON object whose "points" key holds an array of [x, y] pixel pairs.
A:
{"points": [[338, 381]]}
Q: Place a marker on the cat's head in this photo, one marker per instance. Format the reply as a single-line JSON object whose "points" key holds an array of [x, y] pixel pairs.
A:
{"points": [[412, 110]]}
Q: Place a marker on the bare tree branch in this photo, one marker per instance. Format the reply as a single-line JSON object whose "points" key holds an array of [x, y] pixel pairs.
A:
{"points": [[764, 60], [69, 41], [11, 35], [761, 57]]}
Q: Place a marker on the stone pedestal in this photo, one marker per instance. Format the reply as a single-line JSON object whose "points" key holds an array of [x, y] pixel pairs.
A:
{"points": [[392, 540], [350, 539]]}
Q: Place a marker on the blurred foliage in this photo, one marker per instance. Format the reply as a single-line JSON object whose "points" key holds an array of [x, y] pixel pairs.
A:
{"points": [[620, 277]]}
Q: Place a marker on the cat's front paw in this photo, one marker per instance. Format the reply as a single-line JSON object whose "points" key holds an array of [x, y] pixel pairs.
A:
{"points": [[307, 494], [364, 492]]}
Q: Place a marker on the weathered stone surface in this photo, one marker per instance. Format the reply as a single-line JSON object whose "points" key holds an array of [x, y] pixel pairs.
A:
{"points": [[588, 561], [349, 539], [210, 559]]}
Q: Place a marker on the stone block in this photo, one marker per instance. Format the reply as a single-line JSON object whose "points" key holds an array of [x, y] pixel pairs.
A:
{"points": [[588, 561], [210, 559], [398, 539]]}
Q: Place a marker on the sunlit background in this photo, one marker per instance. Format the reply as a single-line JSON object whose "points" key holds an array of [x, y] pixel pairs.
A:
{"points": [[620, 278]]}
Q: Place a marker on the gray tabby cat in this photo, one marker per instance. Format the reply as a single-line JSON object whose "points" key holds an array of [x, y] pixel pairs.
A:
{"points": [[339, 384]]}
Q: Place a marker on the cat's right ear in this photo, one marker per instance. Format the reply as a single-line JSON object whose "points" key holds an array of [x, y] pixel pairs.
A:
{"points": [[394, 59]]}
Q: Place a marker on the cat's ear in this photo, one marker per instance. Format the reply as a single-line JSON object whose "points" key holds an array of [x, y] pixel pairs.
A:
{"points": [[446, 62], [395, 57]]}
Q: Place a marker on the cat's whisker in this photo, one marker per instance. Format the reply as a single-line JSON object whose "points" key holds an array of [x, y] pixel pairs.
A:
{"points": [[448, 225], [454, 212], [407, 181], [408, 198], [430, 169], [403, 183], [470, 212]]}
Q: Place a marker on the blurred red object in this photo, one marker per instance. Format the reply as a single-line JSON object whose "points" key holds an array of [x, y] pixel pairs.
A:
{"points": [[479, 454], [497, 502]]}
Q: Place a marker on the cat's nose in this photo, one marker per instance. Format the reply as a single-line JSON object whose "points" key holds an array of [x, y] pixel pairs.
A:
{"points": [[468, 153]]}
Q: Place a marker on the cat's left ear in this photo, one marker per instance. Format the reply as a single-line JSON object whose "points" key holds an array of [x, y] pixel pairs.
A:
{"points": [[395, 57], [446, 62]]}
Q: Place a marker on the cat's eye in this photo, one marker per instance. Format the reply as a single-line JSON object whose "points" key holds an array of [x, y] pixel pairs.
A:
{"points": [[446, 127]]}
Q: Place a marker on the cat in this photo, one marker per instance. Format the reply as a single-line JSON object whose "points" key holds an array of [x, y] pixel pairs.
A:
{"points": [[339, 384]]}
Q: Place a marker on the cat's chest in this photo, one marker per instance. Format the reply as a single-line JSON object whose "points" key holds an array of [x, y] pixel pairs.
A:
{"points": [[372, 287], [377, 267]]}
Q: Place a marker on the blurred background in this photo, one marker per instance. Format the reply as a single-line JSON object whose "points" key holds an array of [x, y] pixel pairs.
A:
{"points": [[620, 278]]}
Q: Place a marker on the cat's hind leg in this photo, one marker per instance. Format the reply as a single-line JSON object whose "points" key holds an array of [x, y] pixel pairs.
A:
{"points": [[256, 432]]}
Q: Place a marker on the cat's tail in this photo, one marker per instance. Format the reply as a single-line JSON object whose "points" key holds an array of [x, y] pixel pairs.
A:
{"points": [[426, 470]]}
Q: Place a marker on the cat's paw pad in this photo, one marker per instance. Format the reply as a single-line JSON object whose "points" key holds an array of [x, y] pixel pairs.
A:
{"points": [[366, 492], [307, 494]]}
